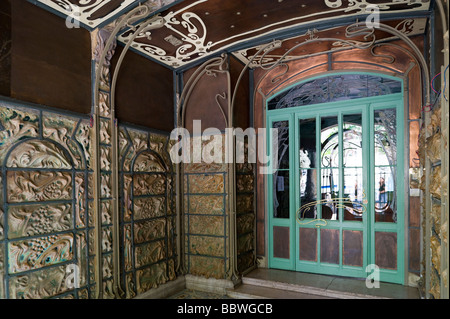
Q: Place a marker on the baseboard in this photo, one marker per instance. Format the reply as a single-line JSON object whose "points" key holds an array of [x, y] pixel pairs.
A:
{"points": [[211, 285], [164, 291]]}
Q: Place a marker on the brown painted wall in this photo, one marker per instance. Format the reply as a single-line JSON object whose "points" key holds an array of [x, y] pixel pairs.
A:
{"points": [[209, 91], [241, 114], [5, 47], [202, 104], [51, 64], [144, 93]]}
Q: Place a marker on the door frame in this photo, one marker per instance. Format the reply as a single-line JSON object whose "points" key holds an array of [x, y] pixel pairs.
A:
{"points": [[369, 227]]}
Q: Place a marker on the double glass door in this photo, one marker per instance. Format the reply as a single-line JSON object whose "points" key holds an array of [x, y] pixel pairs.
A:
{"points": [[336, 193]]}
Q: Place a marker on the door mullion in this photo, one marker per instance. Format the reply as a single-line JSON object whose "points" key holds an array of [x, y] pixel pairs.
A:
{"points": [[370, 161], [341, 181], [292, 190], [319, 180]]}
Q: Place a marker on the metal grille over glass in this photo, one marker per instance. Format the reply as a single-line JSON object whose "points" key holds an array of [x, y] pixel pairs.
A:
{"points": [[335, 88]]}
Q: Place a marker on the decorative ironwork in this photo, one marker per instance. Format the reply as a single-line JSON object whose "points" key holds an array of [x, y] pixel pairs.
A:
{"points": [[148, 240], [335, 88], [44, 248], [338, 203]]}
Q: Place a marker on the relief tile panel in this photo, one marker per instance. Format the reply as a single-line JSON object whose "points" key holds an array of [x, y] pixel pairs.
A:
{"points": [[149, 184], [39, 252], [60, 129], [149, 207], [150, 253], [105, 185], [16, 125], [31, 220], [80, 205], [244, 183], [126, 193], [40, 284], [36, 186], [48, 159], [207, 267], [127, 248], [205, 184], [205, 245], [106, 239], [206, 225], [245, 223], [2, 231], [148, 162], [149, 230], [38, 154], [105, 132], [84, 136], [151, 277], [245, 243], [2, 271], [199, 204], [244, 203], [146, 202]]}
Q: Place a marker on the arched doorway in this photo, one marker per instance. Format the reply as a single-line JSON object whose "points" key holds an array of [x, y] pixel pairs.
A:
{"points": [[335, 202]]}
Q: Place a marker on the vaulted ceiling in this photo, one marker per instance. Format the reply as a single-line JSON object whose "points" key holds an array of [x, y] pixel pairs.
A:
{"points": [[195, 30]]}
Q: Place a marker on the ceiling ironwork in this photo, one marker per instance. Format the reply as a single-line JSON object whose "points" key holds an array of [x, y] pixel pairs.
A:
{"points": [[194, 30]]}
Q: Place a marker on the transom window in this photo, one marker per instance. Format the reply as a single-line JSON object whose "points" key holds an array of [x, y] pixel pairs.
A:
{"points": [[335, 88]]}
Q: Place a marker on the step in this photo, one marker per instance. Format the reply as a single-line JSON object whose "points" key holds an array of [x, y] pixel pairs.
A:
{"points": [[326, 286], [283, 290], [246, 291]]}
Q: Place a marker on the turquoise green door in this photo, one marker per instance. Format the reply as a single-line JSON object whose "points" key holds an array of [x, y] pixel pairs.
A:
{"points": [[335, 201]]}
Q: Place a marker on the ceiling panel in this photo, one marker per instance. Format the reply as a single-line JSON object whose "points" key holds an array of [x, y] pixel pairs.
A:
{"points": [[297, 47], [194, 29], [91, 13]]}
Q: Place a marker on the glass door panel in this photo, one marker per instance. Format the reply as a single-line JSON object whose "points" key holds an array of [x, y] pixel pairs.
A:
{"points": [[331, 187], [329, 167], [387, 182], [281, 201], [307, 157], [281, 196], [385, 142], [354, 193], [333, 204]]}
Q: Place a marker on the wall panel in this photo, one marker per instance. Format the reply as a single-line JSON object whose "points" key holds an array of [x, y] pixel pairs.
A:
{"points": [[47, 229]]}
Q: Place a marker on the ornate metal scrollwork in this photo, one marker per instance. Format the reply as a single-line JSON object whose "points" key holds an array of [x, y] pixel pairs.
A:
{"points": [[337, 203]]}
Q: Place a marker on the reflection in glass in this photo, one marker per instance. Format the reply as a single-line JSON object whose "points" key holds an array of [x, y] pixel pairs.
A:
{"points": [[385, 197], [354, 194], [281, 194], [353, 174], [329, 193], [332, 88], [385, 137], [283, 144], [352, 138], [307, 152], [329, 159], [329, 139], [308, 193]]}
